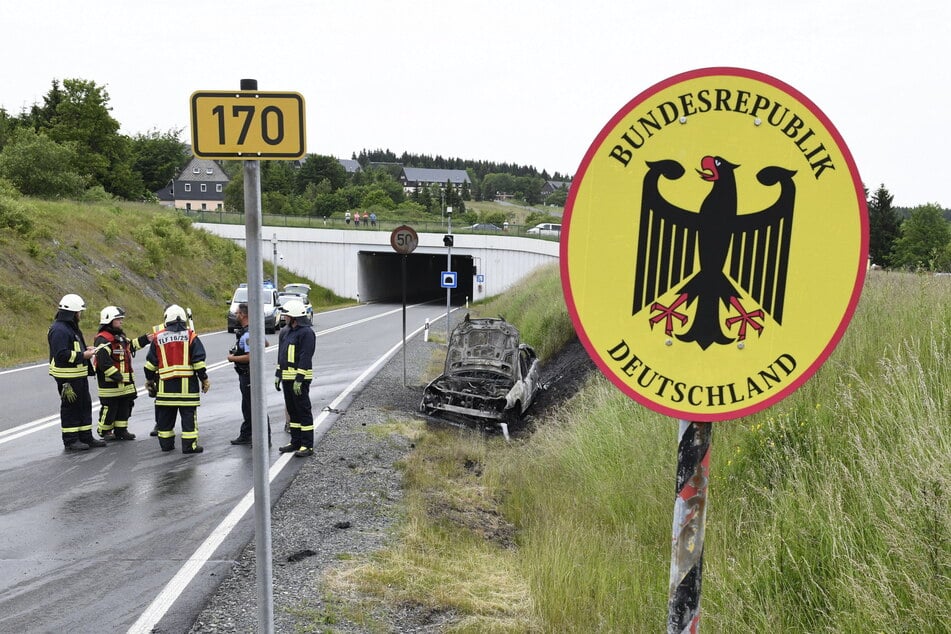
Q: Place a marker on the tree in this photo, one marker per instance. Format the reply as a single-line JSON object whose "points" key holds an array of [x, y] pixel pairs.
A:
{"points": [[81, 116], [883, 226], [158, 157], [924, 239], [316, 168], [38, 166]]}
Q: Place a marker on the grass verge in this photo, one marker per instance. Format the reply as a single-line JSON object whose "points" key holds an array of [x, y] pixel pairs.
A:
{"points": [[829, 512]]}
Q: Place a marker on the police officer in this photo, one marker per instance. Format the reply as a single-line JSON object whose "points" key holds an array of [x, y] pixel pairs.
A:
{"points": [[240, 356], [174, 367], [295, 360], [113, 362], [70, 367]]}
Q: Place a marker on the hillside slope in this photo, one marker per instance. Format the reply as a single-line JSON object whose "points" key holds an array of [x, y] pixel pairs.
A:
{"points": [[140, 257]]}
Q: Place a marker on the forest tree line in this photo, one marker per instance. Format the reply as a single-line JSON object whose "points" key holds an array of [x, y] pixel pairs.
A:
{"points": [[69, 146]]}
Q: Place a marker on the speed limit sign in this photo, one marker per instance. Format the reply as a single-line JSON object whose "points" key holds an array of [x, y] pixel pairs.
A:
{"points": [[404, 239]]}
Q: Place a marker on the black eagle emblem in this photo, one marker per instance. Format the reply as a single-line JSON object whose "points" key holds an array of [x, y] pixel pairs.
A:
{"points": [[711, 253]]}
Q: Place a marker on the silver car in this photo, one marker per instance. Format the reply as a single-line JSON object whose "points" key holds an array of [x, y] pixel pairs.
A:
{"points": [[490, 377]]}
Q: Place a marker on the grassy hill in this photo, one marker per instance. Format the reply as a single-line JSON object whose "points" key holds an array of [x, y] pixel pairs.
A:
{"points": [[139, 257]]}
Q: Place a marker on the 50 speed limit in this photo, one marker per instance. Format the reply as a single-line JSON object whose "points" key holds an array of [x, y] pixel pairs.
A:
{"points": [[404, 240], [247, 125]]}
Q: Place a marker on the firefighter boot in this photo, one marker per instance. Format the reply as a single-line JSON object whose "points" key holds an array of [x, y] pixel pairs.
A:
{"points": [[121, 433], [192, 447], [92, 442]]}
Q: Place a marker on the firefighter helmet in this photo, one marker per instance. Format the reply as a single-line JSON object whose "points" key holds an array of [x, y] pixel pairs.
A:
{"points": [[72, 302], [107, 314], [294, 308], [175, 313]]}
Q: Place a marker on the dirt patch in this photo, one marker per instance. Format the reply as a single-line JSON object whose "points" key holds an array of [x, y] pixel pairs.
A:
{"points": [[562, 375]]}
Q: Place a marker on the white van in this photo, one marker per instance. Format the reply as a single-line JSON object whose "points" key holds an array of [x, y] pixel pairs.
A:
{"points": [[545, 229]]}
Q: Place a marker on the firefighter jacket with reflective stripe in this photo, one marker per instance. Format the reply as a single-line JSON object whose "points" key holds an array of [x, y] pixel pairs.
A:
{"points": [[295, 357], [176, 360], [113, 362], [66, 345]]}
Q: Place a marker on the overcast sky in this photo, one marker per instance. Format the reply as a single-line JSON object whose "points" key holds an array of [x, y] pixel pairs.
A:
{"points": [[527, 82]]}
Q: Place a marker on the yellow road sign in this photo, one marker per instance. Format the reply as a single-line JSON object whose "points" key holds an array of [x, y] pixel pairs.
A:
{"points": [[715, 244], [247, 125]]}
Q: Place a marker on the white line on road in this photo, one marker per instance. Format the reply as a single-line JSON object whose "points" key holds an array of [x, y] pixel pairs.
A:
{"points": [[176, 586]]}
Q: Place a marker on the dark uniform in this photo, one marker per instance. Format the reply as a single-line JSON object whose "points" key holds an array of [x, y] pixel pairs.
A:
{"points": [[176, 364], [70, 369], [295, 360], [242, 348], [117, 393]]}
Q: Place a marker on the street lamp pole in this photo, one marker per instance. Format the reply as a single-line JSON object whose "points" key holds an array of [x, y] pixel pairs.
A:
{"points": [[448, 267]]}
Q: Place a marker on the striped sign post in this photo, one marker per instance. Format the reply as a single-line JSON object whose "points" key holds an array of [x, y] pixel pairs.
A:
{"points": [[690, 516]]}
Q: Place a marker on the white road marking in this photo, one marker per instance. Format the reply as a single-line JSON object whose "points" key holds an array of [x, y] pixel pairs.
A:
{"points": [[176, 586]]}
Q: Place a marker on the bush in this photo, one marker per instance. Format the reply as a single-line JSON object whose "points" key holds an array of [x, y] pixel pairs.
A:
{"points": [[16, 214]]}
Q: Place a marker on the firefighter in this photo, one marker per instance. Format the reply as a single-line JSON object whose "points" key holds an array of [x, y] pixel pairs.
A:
{"points": [[113, 363], [295, 360], [174, 368], [70, 368]]}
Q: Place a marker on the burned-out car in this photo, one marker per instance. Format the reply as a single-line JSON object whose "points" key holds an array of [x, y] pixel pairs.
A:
{"points": [[490, 378]]}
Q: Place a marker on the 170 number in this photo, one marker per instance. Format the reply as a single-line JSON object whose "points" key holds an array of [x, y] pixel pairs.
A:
{"points": [[271, 122]]}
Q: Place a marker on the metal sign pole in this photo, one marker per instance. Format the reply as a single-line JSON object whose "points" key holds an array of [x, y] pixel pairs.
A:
{"points": [[262, 493], [448, 268], [404, 319], [690, 515], [274, 244]]}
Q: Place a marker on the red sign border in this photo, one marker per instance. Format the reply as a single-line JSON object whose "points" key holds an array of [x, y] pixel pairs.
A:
{"points": [[859, 276]]}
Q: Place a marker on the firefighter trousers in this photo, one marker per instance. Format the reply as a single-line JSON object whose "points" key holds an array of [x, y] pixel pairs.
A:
{"points": [[115, 412], [300, 415], [165, 416], [75, 418]]}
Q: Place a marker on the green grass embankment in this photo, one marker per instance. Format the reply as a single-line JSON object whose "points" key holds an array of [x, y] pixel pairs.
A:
{"points": [[829, 512], [139, 257]]}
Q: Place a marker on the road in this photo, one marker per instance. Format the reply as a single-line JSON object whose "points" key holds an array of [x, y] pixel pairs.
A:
{"points": [[127, 538]]}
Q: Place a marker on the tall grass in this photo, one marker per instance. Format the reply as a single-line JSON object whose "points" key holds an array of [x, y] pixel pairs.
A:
{"points": [[828, 512]]}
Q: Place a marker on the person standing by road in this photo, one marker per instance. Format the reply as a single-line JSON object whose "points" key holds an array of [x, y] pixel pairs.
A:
{"points": [[240, 356], [174, 367], [295, 359], [71, 369], [113, 362]]}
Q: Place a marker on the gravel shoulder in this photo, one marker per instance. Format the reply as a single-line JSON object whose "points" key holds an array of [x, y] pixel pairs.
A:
{"points": [[345, 500]]}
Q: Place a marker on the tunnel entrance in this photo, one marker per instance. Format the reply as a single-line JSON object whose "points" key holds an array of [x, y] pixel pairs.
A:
{"points": [[379, 277]]}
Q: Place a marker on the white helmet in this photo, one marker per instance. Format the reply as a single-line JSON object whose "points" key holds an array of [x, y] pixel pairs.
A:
{"points": [[294, 308], [175, 313], [72, 302], [107, 314]]}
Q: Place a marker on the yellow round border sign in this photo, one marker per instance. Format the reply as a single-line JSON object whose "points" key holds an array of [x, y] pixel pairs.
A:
{"points": [[714, 244]]}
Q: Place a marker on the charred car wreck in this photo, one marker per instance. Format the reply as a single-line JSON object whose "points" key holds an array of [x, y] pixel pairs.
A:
{"points": [[490, 378]]}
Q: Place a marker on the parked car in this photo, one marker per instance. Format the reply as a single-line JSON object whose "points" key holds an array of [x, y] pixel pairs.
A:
{"points": [[271, 307], [490, 377], [300, 289], [283, 298], [545, 229], [484, 226]]}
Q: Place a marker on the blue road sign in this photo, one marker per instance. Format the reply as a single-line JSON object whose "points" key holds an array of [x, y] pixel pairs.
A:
{"points": [[448, 279]]}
